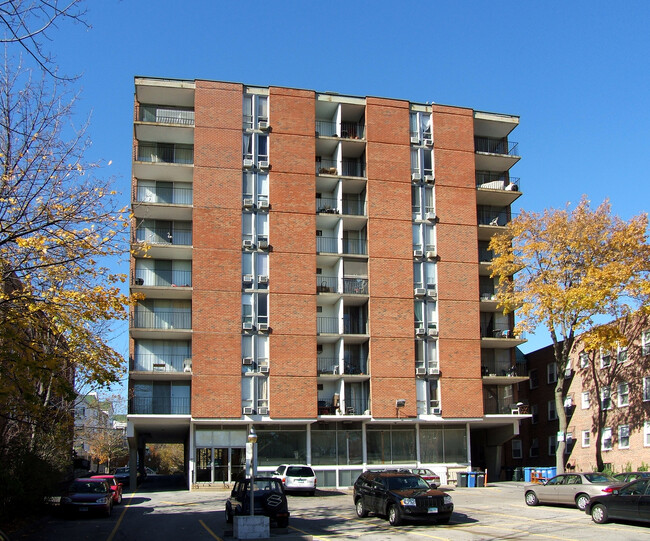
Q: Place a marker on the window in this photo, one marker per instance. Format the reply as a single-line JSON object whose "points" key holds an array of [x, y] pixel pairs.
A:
{"points": [[624, 437], [646, 434], [605, 398], [255, 111], [255, 353], [533, 379], [552, 413], [534, 410], [621, 354], [552, 445], [255, 308], [646, 389], [255, 147], [586, 438], [534, 447], [645, 343], [516, 449], [585, 400], [420, 127], [551, 373], [255, 392], [605, 360], [607, 439], [422, 161], [623, 395], [255, 186], [584, 359]]}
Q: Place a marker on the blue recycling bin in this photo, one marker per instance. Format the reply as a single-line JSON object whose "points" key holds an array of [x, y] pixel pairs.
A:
{"points": [[528, 474], [471, 479]]}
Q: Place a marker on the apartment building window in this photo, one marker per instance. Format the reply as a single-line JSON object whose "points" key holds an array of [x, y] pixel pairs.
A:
{"points": [[422, 202], [516, 449], [645, 343], [646, 434], [621, 354], [584, 359], [422, 162], [423, 237], [646, 389], [534, 447], [605, 359], [426, 354], [255, 353], [551, 373], [552, 445], [607, 439], [606, 398], [255, 270], [624, 437], [256, 148], [424, 276], [255, 394], [255, 188], [255, 309], [425, 315], [533, 379], [623, 393], [552, 413], [586, 435], [534, 410], [585, 400], [420, 127], [255, 227], [255, 108]]}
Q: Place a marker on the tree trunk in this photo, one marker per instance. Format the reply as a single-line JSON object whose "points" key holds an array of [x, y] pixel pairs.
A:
{"points": [[562, 422]]}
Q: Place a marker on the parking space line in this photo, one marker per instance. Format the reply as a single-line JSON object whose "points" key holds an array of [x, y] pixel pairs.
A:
{"points": [[307, 533], [119, 520], [501, 528], [214, 535]]}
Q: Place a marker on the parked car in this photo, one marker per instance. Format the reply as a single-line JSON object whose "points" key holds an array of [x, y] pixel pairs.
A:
{"points": [[86, 495], [123, 475], [628, 476], [116, 486], [268, 496], [297, 477], [429, 476], [399, 496], [570, 488], [630, 502]]}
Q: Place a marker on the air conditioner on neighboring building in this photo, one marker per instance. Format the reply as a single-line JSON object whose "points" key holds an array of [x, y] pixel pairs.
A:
{"points": [[418, 253], [428, 142], [420, 331], [247, 278], [416, 176], [434, 371], [432, 254], [436, 411], [263, 205], [430, 179], [264, 368], [263, 125], [263, 411], [431, 216], [263, 327], [263, 165], [247, 410], [247, 361], [432, 294], [247, 244], [248, 163], [263, 279], [248, 202], [263, 244], [415, 140], [420, 371], [187, 365], [419, 291], [247, 326], [432, 332], [568, 372]]}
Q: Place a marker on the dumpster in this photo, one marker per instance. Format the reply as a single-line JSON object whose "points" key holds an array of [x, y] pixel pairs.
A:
{"points": [[528, 474], [480, 479], [552, 472], [462, 479]]}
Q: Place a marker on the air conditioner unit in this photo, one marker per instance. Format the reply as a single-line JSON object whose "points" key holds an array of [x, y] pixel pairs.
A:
{"points": [[263, 244], [263, 205], [247, 361], [436, 411], [263, 165], [432, 254], [247, 410], [263, 327], [248, 202], [247, 326], [419, 291], [434, 371], [432, 332], [568, 372], [247, 278], [418, 253], [432, 294], [430, 179], [247, 244], [420, 331], [264, 368], [415, 140], [262, 125], [248, 163], [263, 411], [431, 216], [263, 279], [416, 176], [187, 365], [420, 371], [428, 142]]}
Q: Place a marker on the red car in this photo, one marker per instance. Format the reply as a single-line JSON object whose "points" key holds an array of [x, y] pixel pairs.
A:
{"points": [[88, 495], [116, 486], [429, 476]]}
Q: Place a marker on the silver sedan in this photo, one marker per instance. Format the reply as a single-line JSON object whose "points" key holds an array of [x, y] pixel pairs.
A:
{"points": [[570, 488]]}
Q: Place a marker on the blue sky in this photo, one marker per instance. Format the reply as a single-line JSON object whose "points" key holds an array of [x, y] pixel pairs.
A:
{"points": [[576, 72]]}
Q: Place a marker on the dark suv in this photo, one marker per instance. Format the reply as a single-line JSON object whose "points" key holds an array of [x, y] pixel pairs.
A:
{"points": [[400, 496], [268, 496]]}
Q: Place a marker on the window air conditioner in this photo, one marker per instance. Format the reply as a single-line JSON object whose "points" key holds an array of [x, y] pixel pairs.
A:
{"points": [[263, 279], [432, 254], [436, 411], [430, 179], [247, 278], [263, 165], [431, 216], [567, 372], [419, 291], [263, 244], [416, 176], [420, 331], [432, 332], [432, 294], [248, 410], [428, 142], [263, 327], [415, 140], [264, 368], [263, 411], [247, 244], [420, 371], [247, 326], [434, 371], [262, 125], [248, 163], [187, 365], [247, 361], [248, 202], [263, 205], [418, 253]]}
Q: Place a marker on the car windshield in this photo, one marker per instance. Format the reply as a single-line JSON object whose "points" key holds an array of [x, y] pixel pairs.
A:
{"points": [[122, 470], [599, 478], [87, 487], [406, 482], [266, 485], [299, 471]]}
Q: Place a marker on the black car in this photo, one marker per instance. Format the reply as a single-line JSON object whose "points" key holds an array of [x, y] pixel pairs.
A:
{"points": [[399, 495], [268, 496], [630, 502], [627, 477]]}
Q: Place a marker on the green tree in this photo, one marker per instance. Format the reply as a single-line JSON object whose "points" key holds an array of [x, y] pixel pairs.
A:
{"points": [[563, 269]]}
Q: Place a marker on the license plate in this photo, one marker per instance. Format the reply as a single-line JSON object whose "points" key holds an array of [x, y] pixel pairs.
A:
{"points": [[433, 509], [83, 509]]}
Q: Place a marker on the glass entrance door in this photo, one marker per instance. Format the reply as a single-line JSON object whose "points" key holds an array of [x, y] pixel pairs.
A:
{"points": [[220, 464], [237, 463], [203, 465]]}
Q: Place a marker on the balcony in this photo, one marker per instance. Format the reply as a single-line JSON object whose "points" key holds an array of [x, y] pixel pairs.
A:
{"points": [[495, 153], [327, 205], [347, 130], [163, 161], [501, 338], [503, 372], [492, 221], [169, 364], [327, 325], [328, 366], [356, 406], [163, 203], [494, 406], [169, 284], [170, 319], [159, 406], [166, 242], [355, 286], [347, 168], [497, 188], [164, 123], [327, 284]]}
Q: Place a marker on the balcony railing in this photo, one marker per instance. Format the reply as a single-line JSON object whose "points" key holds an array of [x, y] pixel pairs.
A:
{"points": [[355, 286], [150, 362], [355, 367], [498, 182], [349, 167], [355, 327], [328, 365], [495, 218], [177, 236], [327, 325], [159, 406], [328, 245], [328, 205], [354, 207], [355, 246], [503, 368], [493, 145], [357, 406], [327, 284], [164, 114], [165, 153], [162, 319], [494, 406], [170, 196], [176, 278], [485, 255], [349, 130]]}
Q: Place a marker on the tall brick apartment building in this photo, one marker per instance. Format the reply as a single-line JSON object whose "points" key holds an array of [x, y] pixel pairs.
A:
{"points": [[317, 268]]}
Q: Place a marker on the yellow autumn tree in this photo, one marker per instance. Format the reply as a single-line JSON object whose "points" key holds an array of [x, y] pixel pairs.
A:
{"points": [[565, 268]]}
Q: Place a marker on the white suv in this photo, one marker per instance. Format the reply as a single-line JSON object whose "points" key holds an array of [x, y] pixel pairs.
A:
{"points": [[296, 477]]}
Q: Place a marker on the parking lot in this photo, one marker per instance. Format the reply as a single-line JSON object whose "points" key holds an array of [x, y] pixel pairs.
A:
{"points": [[494, 512]]}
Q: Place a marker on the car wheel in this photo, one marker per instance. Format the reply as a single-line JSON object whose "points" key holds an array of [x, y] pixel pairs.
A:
{"points": [[581, 501], [394, 516], [531, 498], [360, 508], [283, 522], [119, 499], [599, 513]]}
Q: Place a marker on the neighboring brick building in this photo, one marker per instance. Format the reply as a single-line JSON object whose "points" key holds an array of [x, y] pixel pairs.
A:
{"points": [[623, 386], [318, 268]]}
